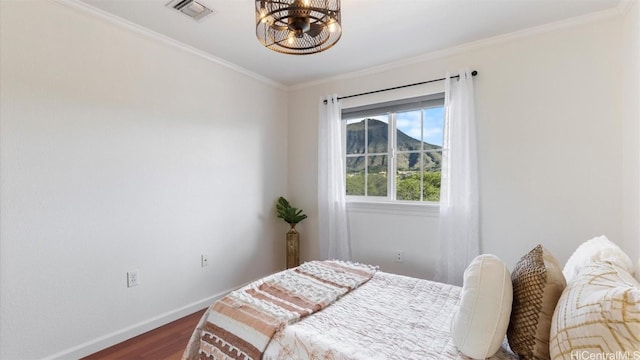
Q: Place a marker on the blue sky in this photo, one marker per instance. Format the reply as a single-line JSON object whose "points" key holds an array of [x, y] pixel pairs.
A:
{"points": [[409, 123]]}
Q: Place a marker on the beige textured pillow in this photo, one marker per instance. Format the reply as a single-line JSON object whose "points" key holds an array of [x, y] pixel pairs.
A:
{"points": [[597, 314], [481, 321], [537, 285]]}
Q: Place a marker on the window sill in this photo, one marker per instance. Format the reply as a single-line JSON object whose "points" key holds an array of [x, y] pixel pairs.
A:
{"points": [[393, 208]]}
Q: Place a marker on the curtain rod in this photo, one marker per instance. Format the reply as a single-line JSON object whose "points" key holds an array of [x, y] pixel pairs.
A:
{"points": [[473, 73]]}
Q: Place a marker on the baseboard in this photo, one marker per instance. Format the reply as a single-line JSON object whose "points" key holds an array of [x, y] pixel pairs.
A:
{"points": [[103, 342]]}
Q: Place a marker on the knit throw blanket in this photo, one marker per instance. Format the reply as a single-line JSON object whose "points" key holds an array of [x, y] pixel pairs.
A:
{"points": [[240, 325]]}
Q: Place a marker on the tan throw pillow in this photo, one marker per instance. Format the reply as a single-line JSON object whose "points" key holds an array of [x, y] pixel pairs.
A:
{"points": [[597, 316], [537, 285]]}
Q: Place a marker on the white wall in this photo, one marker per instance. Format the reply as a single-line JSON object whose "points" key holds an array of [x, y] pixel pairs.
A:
{"points": [[630, 96], [377, 233], [549, 145], [119, 152]]}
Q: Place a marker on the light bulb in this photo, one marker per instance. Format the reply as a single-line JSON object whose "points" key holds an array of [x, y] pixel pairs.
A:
{"points": [[332, 26]]}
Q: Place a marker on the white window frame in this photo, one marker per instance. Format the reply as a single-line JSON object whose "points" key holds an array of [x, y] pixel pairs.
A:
{"points": [[384, 204]]}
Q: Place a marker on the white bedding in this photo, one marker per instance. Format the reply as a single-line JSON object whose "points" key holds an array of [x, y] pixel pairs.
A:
{"points": [[389, 317]]}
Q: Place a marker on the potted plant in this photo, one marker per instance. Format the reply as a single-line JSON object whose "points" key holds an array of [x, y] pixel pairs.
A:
{"points": [[288, 213], [292, 216]]}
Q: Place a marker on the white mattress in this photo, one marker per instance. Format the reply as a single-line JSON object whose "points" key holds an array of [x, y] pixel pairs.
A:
{"points": [[389, 317]]}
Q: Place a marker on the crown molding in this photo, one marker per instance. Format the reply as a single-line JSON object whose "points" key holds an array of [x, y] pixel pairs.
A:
{"points": [[622, 8], [475, 45], [135, 28]]}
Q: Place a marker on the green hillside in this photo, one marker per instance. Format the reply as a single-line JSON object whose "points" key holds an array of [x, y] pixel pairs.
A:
{"points": [[378, 139], [408, 180]]}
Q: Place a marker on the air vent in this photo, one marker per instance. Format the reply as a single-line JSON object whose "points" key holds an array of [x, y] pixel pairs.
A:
{"points": [[193, 9]]}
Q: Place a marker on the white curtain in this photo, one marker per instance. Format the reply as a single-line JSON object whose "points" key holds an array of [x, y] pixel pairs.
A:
{"points": [[459, 233], [332, 215]]}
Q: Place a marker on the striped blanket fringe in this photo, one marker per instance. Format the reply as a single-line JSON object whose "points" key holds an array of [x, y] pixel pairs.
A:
{"points": [[241, 325]]}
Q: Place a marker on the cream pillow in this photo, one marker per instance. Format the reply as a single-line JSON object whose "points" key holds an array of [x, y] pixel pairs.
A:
{"points": [[480, 323], [597, 249], [537, 285], [598, 313]]}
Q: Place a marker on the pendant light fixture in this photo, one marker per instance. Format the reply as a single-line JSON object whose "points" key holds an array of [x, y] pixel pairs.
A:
{"points": [[298, 27]]}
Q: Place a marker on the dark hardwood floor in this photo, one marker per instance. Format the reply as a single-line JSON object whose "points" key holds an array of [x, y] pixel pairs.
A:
{"points": [[164, 343]]}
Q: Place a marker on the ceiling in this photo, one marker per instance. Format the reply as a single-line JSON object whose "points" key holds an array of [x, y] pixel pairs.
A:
{"points": [[375, 32]]}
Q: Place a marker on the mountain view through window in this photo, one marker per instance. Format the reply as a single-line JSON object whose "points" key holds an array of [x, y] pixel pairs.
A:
{"points": [[405, 144]]}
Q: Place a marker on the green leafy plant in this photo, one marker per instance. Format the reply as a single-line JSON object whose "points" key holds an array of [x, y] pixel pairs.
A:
{"points": [[289, 213]]}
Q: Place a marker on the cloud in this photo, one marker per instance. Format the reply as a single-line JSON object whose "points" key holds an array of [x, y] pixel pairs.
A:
{"points": [[432, 132], [409, 123], [410, 115]]}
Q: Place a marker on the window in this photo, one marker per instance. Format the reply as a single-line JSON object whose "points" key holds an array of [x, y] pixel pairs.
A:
{"points": [[403, 138]]}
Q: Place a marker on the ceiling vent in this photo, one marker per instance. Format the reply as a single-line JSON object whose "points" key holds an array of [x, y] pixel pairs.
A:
{"points": [[193, 9]]}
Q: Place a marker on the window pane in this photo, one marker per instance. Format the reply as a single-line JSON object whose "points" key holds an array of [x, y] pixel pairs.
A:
{"points": [[408, 161], [433, 166], [419, 136], [377, 177], [433, 161], [355, 184], [408, 177], [378, 134], [408, 134], [355, 175], [433, 127], [355, 164], [355, 136]]}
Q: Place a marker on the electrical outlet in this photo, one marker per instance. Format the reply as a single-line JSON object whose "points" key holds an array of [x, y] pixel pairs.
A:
{"points": [[133, 278], [399, 256], [204, 260]]}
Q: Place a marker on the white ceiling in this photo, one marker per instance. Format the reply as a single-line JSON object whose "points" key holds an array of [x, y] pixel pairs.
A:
{"points": [[375, 32]]}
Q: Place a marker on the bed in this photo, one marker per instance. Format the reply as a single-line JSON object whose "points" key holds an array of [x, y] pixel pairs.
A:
{"points": [[386, 316], [333, 310]]}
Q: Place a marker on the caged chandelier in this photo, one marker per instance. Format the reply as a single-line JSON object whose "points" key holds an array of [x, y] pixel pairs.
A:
{"points": [[298, 27]]}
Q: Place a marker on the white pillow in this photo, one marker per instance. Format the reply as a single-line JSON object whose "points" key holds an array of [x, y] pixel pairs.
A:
{"points": [[597, 249], [480, 323]]}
